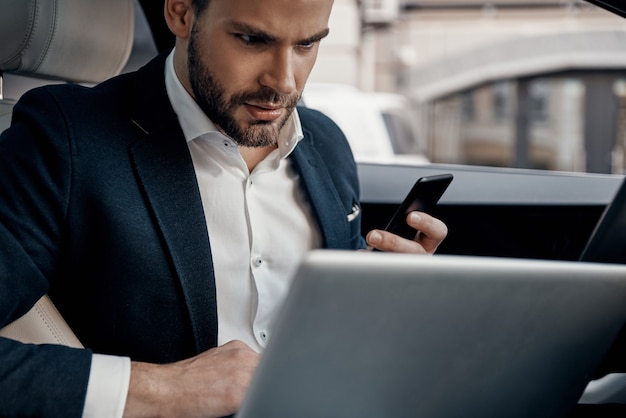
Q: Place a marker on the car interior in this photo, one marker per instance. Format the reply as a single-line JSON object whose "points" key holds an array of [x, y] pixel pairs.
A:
{"points": [[496, 212], [534, 221], [48, 41]]}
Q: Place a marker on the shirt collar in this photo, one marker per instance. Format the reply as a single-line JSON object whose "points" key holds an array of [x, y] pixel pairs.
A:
{"points": [[195, 123]]}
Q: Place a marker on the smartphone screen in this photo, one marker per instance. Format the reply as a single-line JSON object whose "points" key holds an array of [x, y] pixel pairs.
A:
{"points": [[423, 197]]}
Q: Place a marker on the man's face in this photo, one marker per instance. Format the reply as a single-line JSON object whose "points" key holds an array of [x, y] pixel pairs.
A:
{"points": [[248, 62]]}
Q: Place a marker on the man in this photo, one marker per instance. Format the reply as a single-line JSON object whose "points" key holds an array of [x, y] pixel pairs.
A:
{"points": [[163, 202]]}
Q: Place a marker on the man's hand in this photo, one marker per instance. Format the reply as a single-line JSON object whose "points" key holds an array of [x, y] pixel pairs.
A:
{"points": [[211, 384], [431, 233]]}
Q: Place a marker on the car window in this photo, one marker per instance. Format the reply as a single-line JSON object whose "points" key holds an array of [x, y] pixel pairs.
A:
{"points": [[525, 83]]}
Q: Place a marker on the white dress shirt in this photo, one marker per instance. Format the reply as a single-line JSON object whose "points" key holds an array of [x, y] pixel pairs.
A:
{"points": [[260, 227]]}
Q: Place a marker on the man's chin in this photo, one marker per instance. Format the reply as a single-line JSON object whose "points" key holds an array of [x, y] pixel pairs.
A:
{"points": [[256, 133], [263, 136]]}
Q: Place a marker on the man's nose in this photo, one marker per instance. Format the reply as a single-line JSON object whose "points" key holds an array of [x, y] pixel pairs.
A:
{"points": [[279, 73]]}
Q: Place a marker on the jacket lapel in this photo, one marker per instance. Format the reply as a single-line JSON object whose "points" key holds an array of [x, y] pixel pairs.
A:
{"points": [[318, 184], [165, 171]]}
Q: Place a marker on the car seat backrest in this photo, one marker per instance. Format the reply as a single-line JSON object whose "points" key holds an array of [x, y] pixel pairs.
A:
{"points": [[84, 41]]}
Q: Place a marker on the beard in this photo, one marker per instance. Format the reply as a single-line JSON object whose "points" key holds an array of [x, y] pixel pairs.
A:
{"points": [[211, 97]]}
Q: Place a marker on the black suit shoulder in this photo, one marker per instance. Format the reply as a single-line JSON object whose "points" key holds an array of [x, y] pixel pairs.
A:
{"points": [[323, 134], [324, 131]]}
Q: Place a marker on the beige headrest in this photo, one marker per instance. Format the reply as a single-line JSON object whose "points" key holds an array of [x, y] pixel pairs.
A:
{"points": [[74, 40]]}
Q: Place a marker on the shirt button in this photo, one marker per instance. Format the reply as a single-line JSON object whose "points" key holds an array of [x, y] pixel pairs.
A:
{"points": [[258, 261], [263, 335]]}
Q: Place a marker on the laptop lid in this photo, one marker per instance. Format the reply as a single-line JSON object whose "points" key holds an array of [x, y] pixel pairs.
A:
{"points": [[391, 335], [607, 243]]}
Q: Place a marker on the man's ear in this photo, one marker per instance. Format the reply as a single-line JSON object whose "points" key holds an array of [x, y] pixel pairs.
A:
{"points": [[179, 17]]}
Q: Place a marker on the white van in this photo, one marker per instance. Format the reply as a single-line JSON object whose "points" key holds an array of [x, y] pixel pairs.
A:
{"points": [[377, 125]]}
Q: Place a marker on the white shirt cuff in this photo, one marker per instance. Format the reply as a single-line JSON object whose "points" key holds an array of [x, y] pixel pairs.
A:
{"points": [[108, 387]]}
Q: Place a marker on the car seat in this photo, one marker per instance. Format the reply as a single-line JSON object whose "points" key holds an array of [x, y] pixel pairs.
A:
{"points": [[82, 41]]}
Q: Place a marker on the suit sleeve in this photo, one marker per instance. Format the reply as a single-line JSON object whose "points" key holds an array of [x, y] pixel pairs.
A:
{"points": [[35, 178]]}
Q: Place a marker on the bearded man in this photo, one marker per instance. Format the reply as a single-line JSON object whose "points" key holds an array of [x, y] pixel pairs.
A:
{"points": [[165, 210]]}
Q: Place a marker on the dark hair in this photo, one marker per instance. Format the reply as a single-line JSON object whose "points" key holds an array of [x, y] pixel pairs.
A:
{"points": [[199, 6]]}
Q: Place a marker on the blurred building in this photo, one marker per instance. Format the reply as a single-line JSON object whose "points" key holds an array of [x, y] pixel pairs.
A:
{"points": [[521, 83]]}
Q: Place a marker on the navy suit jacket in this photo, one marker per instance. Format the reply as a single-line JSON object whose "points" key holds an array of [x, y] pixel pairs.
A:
{"points": [[100, 208]]}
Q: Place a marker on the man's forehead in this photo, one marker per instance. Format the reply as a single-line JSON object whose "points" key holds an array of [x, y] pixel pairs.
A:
{"points": [[244, 3], [271, 10], [280, 19]]}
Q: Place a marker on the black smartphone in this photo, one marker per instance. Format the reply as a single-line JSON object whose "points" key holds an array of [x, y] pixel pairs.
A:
{"points": [[424, 195]]}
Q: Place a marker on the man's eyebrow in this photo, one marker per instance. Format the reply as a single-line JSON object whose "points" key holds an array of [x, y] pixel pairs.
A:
{"points": [[251, 30], [315, 38]]}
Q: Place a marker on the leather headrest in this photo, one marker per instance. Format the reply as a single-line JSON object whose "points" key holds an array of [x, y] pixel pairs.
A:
{"points": [[74, 40]]}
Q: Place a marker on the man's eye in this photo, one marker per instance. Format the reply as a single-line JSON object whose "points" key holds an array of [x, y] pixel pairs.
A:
{"points": [[251, 39]]}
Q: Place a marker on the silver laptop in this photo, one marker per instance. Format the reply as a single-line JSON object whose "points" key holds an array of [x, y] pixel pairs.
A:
{"points": [[387, 335]]}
